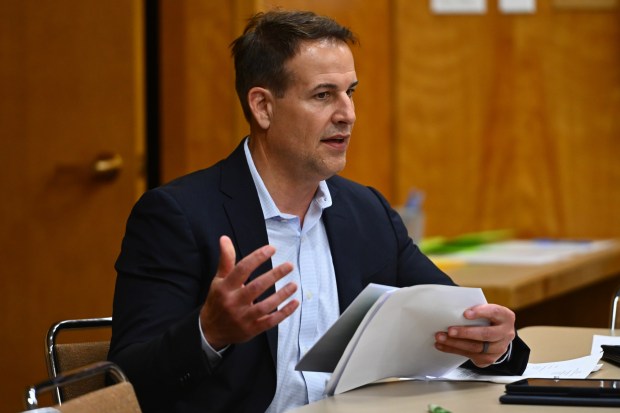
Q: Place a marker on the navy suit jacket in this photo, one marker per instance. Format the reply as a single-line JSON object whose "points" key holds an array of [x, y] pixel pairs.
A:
{"points": [[170, 254]]}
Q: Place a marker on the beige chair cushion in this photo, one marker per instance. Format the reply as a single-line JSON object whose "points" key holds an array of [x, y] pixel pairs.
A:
{"points": [[73, 355], [118, 398]]}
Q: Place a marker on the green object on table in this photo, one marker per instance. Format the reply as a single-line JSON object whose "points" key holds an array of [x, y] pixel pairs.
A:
{"points": [[433, 408], [441, 245]]}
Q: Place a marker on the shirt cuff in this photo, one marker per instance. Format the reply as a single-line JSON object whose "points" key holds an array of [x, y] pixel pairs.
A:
{"points": [[213, 356], [506, 355]]}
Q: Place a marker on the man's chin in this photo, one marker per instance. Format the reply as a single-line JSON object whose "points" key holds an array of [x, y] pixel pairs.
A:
{"points": [[336, 169]]}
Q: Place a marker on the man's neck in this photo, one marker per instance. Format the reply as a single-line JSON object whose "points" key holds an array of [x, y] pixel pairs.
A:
{"points": [[291, 194]]}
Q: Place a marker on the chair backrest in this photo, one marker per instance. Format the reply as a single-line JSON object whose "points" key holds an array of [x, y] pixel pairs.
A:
{"points": [[62, 357], [116, 398]]}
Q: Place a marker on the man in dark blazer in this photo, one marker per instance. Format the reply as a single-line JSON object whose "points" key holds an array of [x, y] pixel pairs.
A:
{"points": [[202, 297]]}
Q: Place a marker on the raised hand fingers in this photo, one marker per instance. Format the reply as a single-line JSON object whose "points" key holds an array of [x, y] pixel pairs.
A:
{"points": [[236, 275], [271, 303], [259, 285], [227, 257], [272, 318], [230, 313]]}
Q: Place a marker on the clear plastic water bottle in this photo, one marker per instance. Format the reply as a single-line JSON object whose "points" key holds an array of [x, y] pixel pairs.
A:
{"points": [[413, 215]]}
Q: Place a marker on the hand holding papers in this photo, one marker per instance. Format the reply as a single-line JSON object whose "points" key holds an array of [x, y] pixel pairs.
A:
{"points": [[578, 368], [396, 337]]}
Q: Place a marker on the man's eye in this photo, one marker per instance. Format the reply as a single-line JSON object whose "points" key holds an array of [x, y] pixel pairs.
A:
{"points": [[322, 95], [350, 92]]}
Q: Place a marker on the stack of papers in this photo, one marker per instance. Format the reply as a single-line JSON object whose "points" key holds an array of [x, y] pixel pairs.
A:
{"points": [[527, 252], [389, 332], [395, 337]]}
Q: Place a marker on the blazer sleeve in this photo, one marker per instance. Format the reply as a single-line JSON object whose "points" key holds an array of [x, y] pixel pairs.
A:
{"points": [[416, 268], [156, 338], [514, 365]]}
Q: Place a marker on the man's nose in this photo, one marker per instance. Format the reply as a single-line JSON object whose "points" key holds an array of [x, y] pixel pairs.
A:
{"points": [[345, 112]]}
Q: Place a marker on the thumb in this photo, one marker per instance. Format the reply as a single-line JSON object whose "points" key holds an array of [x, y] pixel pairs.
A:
{"points": [[227, 257]]}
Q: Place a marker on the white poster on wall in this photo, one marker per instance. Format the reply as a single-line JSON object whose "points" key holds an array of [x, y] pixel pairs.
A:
{"points": [[458, 6]]}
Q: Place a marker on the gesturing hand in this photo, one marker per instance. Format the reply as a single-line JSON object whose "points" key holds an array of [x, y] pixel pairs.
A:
{"points": [[229, 314]]}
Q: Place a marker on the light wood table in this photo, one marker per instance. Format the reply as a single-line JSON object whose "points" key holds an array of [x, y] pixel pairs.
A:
{"points": [[551, 294], [547, 344], [518, 286]]}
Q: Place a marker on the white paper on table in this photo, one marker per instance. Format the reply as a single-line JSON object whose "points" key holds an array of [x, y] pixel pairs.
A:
{"points": [[598, 340], [396, 337], [578, 368]]}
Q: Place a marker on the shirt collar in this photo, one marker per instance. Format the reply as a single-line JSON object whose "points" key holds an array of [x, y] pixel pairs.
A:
{"points": [[322, 197]]}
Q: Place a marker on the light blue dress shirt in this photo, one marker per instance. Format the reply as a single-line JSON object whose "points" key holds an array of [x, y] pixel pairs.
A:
{"points": [[307, 248]]}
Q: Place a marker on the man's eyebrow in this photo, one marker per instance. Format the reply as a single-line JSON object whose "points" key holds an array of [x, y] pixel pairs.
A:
{"points": [[332, 86]]}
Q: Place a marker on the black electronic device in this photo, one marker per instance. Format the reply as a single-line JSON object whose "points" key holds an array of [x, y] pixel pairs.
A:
{"points": [[575, 392], [611, 354]]}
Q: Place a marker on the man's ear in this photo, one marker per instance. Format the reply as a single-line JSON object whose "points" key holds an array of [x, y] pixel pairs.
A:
{"points": [[261, 106]]}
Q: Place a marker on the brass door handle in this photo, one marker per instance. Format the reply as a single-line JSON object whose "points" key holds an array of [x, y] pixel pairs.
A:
{"points": [[107, 166]]}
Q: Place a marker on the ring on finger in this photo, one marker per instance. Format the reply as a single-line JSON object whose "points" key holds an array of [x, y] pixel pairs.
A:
{"points": [[485, 347]]}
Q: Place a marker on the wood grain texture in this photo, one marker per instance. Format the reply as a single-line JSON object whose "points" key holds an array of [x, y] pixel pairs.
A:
{"points": [[510, 121], [522, 286], [198, 93], [71, 81]]}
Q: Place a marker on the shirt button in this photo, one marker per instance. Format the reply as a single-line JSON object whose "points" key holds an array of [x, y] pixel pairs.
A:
{"points": [[309, 295]]}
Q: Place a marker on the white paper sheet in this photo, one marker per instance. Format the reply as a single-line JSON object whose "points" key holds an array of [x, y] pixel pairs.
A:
{"points": [[578, 368], [396, 337], [326, 352], [597, 340]]}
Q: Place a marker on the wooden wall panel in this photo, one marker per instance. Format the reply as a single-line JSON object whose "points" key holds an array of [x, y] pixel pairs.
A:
{"points": [[198, 100], [510, 121]]}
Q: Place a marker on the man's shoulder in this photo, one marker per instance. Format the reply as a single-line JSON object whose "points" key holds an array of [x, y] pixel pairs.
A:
{"points": [[340, 183], [192, 179], [196, 187], [348, 188], [350, 194]]}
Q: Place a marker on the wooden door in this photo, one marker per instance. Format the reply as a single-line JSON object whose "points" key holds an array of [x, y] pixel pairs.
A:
{"points": [[71, 93]]}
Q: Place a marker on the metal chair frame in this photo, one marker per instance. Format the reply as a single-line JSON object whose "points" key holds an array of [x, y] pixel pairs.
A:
{"points": [[614, 312], [69, 377], [54, 330]]}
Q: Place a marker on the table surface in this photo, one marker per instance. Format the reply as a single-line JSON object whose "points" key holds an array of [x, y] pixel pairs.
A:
{"points": [[546, 343], [519, 286]]}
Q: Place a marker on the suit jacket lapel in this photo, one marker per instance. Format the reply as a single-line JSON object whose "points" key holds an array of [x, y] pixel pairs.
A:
{"points": [[246, 219], [339, 227]]}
